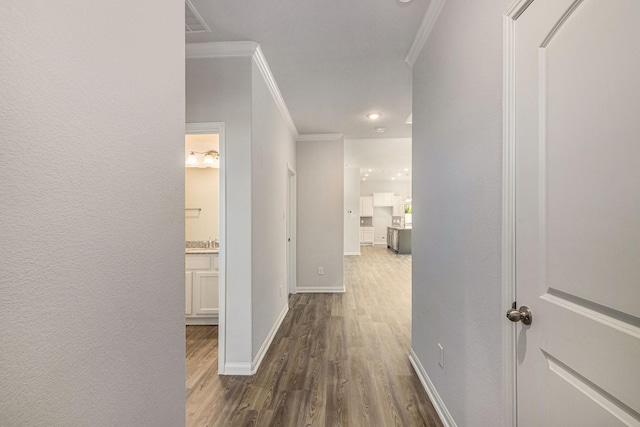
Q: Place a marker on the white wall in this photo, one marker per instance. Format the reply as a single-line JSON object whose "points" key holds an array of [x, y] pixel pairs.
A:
{"points": [[352, 203], [320, 227], [273, 148], [201, 191], [92, 247], [259, 146], [457, 149], [219, 90]]}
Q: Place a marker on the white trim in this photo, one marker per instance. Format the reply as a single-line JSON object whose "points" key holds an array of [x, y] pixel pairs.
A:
{"points": [[508, 208], [319, 137], [320, 290], [428, 22], [434, 397], [220, 49], [204, 320], [291, 232], [191, 7], [263, 66], [352, 253], [219, 128], [240, 49], [268, 340], [237, 369]]}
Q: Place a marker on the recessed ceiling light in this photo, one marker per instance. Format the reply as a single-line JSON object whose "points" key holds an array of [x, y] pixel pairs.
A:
{"points": [[374, 116], [366, 174], [404, 1], [393, 179], [364, 179], [406, 169], [370, 170], [380, 130], [399, 174]]}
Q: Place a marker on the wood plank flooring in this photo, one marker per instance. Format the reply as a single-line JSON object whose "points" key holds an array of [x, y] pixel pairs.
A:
{"points": [[337, 360]]}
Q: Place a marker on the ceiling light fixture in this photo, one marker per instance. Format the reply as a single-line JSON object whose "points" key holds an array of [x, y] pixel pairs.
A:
{"points": [[406, 169], [374, 116], [380, 129], [370, 170], [366, 174], [364, 179], [399, 174]]}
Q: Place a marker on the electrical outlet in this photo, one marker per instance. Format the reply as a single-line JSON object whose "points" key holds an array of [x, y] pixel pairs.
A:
{"points": [[320, 270], [441, 356]]}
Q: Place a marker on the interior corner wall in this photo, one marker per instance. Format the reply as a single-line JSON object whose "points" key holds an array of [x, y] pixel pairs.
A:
{"points": [[92, 214], [351, 211], [219, 90], [273, 152], [457, 159], [320, 226]]}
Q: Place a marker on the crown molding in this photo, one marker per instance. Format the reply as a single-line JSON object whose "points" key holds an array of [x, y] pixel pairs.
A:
{"points": [[220, 49], [243, 49], [320, 137], [263, 66], [428, 22]]}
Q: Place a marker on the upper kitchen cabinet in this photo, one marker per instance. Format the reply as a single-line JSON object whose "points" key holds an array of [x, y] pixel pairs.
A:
{"points": [[383, 199], [366, 205], [398, 206]]}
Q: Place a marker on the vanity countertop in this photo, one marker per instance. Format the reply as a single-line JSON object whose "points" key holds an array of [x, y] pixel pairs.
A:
{"points": [[190, 251]]}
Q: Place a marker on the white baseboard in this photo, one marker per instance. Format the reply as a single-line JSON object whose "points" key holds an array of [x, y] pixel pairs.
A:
{"points": [[267, 341], [320, 290], [237, 369], [441, 409], [245, 368], [352, 253]]}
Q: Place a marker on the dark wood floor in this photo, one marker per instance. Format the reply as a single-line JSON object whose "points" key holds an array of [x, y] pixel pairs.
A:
{"points": [[337, 360]]}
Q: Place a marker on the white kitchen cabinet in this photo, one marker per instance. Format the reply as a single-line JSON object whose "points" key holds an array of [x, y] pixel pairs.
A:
{"points": [[366, 205], [398, 206], [382, 199], [366, 235], [201, 289]]}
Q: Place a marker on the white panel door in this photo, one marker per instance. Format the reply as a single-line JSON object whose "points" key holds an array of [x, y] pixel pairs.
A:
{"points": [[205, 289], [577, 133]]}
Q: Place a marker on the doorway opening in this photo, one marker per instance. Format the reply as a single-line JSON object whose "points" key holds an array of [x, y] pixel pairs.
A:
{"points": [[205, 230]]}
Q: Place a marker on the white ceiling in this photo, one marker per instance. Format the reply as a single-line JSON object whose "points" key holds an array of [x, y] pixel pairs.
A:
{"points": [[333, 60], [387, 158]]}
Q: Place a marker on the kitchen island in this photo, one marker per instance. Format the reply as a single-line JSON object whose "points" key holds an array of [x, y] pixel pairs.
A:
{"points": [[399, 239]]}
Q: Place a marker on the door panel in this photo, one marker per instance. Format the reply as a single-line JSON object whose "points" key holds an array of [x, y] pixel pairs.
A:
{"points": [[578, 212]]}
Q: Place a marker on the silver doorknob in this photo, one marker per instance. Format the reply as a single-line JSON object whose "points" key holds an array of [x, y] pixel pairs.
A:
{"points": [[523, 315]]}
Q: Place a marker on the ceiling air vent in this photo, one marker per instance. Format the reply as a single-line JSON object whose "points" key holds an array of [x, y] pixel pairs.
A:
{"points": [[193, 22]]}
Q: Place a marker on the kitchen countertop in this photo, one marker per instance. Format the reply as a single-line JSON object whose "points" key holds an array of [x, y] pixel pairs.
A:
{"points": [[190, 251]]}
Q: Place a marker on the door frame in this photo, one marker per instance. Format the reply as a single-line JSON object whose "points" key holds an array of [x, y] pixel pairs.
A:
{"points": [[291, 201], [509, 338], [218, 128]]}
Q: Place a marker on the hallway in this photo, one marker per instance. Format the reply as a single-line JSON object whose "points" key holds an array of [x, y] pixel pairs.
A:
{"points": [[337, 360]]}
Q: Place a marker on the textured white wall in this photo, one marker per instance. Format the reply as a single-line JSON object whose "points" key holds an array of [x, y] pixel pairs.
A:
{"points": [[273, 147], [201, 191], [351, 203], [320, 227], [457, 161], [92, 247], [219, 90]]}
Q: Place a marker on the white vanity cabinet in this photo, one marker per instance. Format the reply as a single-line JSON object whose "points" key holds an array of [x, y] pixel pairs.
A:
{"points": [[201, 289]]}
